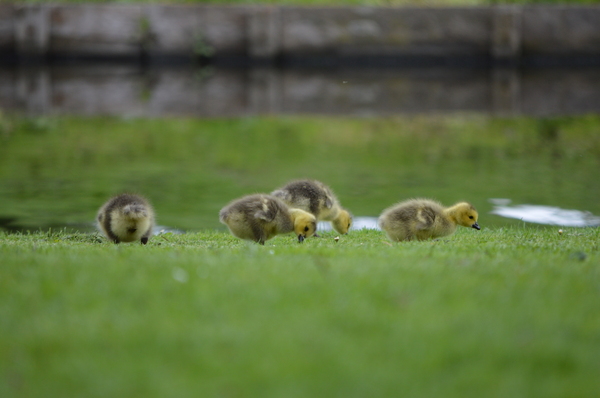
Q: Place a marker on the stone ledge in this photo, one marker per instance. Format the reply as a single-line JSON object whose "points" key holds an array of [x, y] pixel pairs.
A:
{"points": [[273, 32]]}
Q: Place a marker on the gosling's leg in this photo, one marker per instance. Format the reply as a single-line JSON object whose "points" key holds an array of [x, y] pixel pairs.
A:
{"points": [[259, 235]]}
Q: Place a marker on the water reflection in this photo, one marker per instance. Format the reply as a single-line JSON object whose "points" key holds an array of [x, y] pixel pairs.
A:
{"points": [[156, 92], [548, 215]]}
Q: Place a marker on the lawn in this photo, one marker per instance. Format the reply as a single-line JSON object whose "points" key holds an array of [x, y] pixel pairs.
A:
{"points": [[58, 171], [501, 312]]}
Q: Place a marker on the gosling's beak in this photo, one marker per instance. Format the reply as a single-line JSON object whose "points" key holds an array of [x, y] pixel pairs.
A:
{"points": [[300, 238], [476, 226]]}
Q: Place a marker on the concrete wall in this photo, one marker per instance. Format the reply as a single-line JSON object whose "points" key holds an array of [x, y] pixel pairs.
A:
{"points": [[273, 32]]}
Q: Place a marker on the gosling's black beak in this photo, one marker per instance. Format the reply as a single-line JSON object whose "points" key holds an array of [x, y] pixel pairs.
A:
{"points": [[476, 226], [300, 238]]}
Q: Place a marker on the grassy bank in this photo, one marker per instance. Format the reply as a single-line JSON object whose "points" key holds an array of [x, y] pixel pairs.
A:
{"points": [[496, 313], [59, 170]]}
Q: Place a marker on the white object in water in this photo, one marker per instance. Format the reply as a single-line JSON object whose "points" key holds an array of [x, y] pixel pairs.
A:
{"points": [[357, 223], [160, 229], [546, 214]]}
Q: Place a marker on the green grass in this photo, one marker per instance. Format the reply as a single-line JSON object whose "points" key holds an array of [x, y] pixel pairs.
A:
{"points": [[505, 312], [59, 170]]}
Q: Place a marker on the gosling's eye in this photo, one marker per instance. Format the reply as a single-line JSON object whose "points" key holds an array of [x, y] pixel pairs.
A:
{"points": [[471, 217], [305, 229]]}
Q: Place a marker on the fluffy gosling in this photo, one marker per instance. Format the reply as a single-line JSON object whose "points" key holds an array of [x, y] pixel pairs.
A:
{"points": [[126, 218], [426, 219], [260, 217], [316, 198]]}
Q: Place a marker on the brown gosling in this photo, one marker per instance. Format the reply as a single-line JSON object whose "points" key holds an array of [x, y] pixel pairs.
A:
{"points": [[316, 198], [126, 218], [260, 217], [426, 219]]}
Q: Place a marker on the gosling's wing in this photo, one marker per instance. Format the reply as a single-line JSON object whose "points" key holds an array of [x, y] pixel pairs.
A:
{"points": [[282, 194], [267, 211], [425, 218], [329, 198], [224, 214], [329, 202]]}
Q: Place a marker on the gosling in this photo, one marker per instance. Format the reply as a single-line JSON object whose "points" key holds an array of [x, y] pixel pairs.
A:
{"points": [[260, 217], [126, 218], [316, 198], [426, 219]]}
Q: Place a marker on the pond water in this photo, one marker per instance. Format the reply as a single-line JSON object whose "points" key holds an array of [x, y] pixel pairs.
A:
{"points": [[548, 215], [70, 141]]}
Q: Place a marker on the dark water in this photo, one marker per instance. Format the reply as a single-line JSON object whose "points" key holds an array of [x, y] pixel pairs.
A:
{"points": [[122, 90], [523, 146]]}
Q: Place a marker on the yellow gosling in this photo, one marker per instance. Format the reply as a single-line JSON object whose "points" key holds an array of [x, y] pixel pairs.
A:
{"points": [[126, 218], [423, 219], [316, 198], [260, 217]]}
